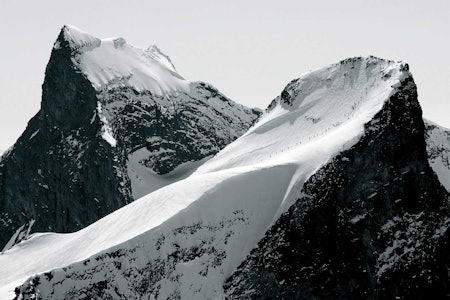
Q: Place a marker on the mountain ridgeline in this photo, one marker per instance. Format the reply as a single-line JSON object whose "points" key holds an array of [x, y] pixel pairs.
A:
{"points": [[109, 113], [337, 192]]}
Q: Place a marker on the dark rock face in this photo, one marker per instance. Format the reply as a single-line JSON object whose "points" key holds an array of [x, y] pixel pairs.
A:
{"points": [[61, 172], [185, 127], [373, 223], [64, 174]]}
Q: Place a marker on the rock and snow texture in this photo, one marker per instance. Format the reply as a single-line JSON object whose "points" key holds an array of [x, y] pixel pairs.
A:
{"points": [[187, 238], [115, 123], [438, 148], [112, 63]]}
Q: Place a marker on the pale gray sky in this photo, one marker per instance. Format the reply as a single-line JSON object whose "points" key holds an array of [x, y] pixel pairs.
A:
{"points": [[248, 49]]}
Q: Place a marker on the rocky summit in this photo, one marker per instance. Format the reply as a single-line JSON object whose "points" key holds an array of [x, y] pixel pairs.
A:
{"points": [[113, 120]]}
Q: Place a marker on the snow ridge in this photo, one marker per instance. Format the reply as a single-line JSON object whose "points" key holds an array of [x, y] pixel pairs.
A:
{"points": [[313, 107]]}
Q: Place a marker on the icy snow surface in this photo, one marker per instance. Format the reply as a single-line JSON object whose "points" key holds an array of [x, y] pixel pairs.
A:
{"points": [[236, 195], [110, 63]]}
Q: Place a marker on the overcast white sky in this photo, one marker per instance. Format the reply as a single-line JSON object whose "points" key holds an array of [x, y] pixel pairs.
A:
{"points": [[248, 49]]}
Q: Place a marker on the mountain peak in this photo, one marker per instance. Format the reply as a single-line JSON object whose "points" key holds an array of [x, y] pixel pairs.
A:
{"points": [[76, 38], [353, 79], [113, 63], [341, 98]]}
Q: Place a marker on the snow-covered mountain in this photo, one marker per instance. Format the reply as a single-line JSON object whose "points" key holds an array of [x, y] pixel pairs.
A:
{"points": [[328, 195], [115, 123]]}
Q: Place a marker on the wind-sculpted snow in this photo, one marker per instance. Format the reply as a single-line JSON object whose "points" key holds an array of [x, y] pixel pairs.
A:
{"points": [[207, 223]]}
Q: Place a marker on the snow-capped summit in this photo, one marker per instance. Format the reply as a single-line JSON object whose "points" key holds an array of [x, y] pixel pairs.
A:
{"points": [[328, 106], [112, 62]]}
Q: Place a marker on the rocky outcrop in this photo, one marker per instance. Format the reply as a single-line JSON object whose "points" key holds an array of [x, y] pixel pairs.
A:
{"points": [[184, 127], [372, 224], [70, 166], [60, 172]]}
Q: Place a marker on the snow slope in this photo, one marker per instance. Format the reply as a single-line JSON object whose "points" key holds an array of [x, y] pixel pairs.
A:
{"points": [[221, 211], [110, 63]]}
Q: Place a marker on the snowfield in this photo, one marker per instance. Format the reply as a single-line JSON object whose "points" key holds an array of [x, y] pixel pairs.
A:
{"points": [[224, 207]]}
